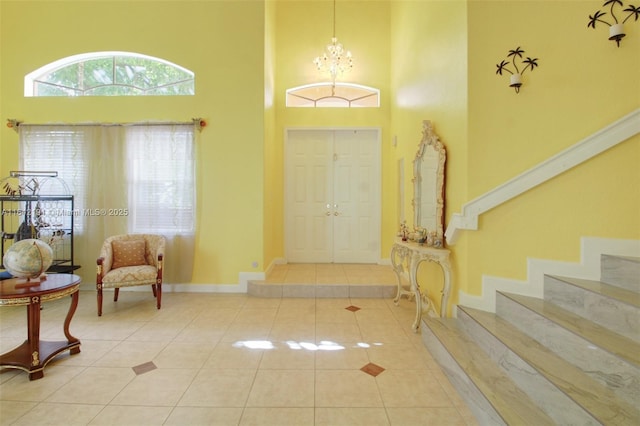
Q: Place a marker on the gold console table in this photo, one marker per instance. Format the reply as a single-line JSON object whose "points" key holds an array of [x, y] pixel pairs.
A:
{"points": [[406, 257]]}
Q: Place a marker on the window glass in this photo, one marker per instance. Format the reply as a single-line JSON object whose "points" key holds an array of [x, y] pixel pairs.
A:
{"points": [[110, 74]]}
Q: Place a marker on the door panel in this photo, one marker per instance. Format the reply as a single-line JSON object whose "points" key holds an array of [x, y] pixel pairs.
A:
{"points": [[332, 196], [307, 186]]}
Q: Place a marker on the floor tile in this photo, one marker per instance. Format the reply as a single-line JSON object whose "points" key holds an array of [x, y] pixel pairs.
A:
{"points": [[131, 415], [346, 388], [130, 353], [254, 416], [13, 410], [159, 387], [288, 357], [219, 388], [372, 369], [438, 416], [181, 416], [179, 354], [95, 385], [282, 388], [352, 416], [58, 414], [20, 388], [407, 388], [234, 359], [351, 357], [236, 355]]}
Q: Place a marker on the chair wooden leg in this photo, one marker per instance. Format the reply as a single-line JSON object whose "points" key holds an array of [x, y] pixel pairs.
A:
{"points": [[153, 288], [115, 294], [159, 294], [99, 300]]}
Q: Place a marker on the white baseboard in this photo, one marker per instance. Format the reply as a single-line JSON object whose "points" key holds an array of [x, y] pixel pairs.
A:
{"points": [[588, 268], [274, 262], [241, 287]]}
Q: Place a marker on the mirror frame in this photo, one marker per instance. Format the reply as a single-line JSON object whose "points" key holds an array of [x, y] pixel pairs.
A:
{"points": [[429, 140]]}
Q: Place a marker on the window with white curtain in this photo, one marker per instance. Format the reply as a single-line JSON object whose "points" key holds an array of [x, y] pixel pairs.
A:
{"points": [[161, 179], [125, 179], [157, 170], [59, 149]]}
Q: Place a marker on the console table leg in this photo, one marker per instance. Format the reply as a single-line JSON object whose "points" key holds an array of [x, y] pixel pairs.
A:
{"points": [[416, 322]]}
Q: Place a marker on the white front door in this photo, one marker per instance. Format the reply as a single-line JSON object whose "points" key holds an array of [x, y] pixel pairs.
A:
{"points": [[332, 196]]}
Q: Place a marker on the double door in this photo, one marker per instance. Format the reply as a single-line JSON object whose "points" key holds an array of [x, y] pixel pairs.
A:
{"points": [[332, 196]]}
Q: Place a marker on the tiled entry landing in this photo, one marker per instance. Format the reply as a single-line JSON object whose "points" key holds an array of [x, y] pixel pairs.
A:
{"points": [[327, 280]]}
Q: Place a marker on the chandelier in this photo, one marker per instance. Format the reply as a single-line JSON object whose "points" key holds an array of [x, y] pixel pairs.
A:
{"points": [[335, 60]]}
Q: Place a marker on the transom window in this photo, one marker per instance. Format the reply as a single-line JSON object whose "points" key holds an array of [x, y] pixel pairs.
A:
{"points": [[110, 74], [333, 95]]}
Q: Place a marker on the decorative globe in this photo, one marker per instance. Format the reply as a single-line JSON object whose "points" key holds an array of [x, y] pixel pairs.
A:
{"points": [[28, 258]]}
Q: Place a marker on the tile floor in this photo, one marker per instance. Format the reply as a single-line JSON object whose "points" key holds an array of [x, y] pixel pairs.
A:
{"points": [[331, 273], [230, 359]]}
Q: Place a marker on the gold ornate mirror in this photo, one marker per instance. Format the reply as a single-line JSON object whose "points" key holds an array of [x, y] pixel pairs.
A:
{"points": [[428, 188]]}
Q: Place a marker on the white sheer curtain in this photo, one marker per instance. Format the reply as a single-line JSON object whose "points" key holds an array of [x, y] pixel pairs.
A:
{"points": [[161, 190], [125, 179]]}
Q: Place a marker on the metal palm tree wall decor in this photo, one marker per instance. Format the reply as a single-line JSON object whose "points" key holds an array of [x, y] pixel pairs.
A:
{"points": [[515, 80], [616, 28]]}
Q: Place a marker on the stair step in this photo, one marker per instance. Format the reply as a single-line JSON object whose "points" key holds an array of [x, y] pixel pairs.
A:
{"points": [[603, 289], [596, 399], [616, 344], [613, 307], [509, 401], [607, 358], [621, 271]]}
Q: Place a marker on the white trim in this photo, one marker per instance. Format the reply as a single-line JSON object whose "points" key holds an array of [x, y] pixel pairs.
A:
{"points": [[367, 91], [274, 262], [608, 137], [244, 278], [588, 268]]}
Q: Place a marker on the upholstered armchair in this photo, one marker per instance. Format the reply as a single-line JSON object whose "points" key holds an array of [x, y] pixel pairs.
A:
{"points": [[130, 260]]}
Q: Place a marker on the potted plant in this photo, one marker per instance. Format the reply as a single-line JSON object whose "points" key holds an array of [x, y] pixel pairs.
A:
{"points": [[515, 80], [616, 28]]}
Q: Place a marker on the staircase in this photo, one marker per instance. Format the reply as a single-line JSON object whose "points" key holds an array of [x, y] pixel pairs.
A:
{"points": [[570, 358]]}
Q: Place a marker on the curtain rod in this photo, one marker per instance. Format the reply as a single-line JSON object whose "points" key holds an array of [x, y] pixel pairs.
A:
{"points": [[12, 123]]}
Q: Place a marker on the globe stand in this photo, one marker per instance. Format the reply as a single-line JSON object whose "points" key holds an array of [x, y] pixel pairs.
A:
{"points": [[32, 282]]}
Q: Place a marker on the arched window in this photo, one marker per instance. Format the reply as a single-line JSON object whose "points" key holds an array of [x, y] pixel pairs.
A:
{"points": [[110, 74], [333, 95]]}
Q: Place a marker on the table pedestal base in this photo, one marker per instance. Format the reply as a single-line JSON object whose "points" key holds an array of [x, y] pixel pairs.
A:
{"points": [[33, 362], [34, 354]]}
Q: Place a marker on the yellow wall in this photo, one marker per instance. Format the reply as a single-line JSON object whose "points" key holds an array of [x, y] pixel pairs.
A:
{"points": [[222, 42], [304, 28], [272, 174], [583, 83], [429, 60]]}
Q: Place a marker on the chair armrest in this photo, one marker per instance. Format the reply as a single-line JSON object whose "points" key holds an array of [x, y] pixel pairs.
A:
{"points": [[160, 268], [99, 270]]}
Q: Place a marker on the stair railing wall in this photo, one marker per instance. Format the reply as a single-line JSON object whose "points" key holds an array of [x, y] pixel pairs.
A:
{"points": [[604, 139]]}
